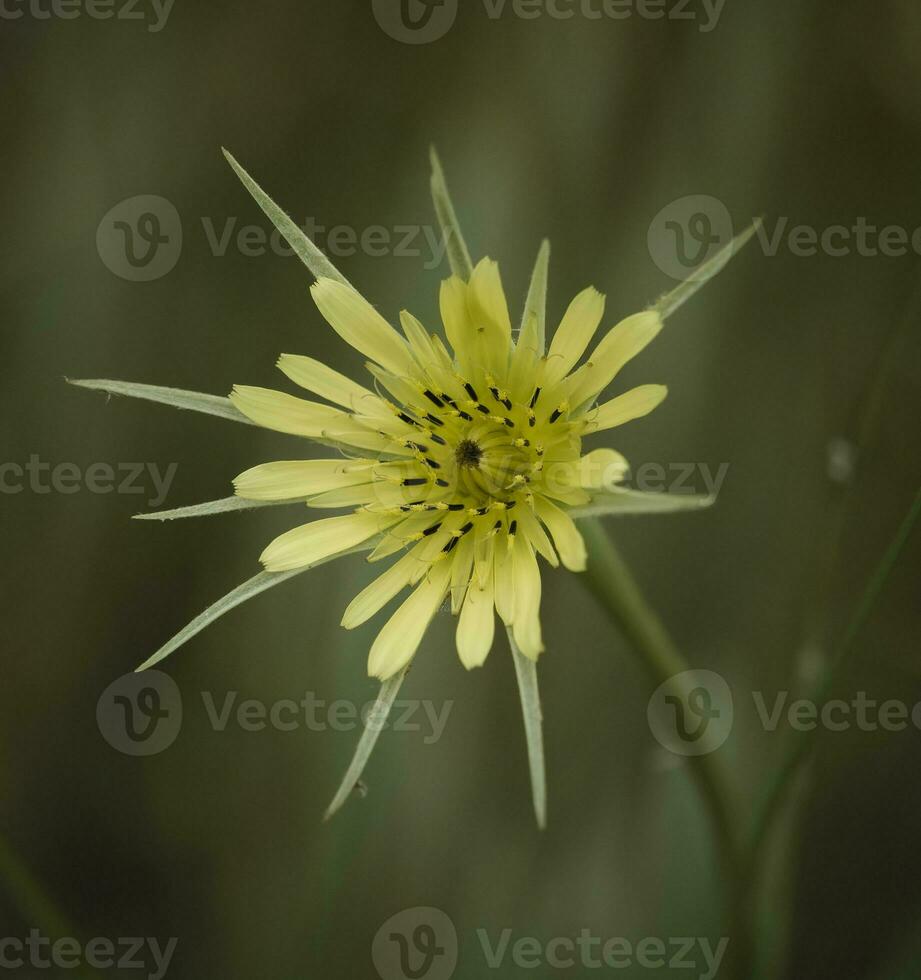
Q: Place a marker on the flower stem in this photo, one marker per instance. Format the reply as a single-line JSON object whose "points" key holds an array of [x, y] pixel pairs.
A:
{"points": [[609, 578]]}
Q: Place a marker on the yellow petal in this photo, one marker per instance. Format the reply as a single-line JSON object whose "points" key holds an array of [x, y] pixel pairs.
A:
{"points": [[359, 324], [322, 380], [569, 543], [526, 626], [623, 342], [477, 624], [488, 311], [285, 413], [602, 469], [290, 479], [374, 597], [574, 333], [452, 300], [397, 642], [321, 539], [633, 404]]}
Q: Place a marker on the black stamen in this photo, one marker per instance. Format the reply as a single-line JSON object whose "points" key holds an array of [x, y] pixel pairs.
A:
{"points": [[438, 439], [450, 546], [432, 463], [466, 527], [471, 391], [442, 483], [464, 415], [432, 397], [416, 481], [513, 527], [434, 419], [534, 397], [557, 412], [456, 507], [507, 402], [449, 400], [483, 409], [509, 423], [403, 417], [431, 530]]}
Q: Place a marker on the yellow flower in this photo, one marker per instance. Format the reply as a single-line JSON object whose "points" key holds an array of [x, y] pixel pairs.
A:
{"points": [[466, 458]]}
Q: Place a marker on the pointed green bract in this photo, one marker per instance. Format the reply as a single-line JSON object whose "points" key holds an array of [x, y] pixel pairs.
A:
{"points": [[458, 254], [194, 401], [536, 303], [306, 251], [671, 301], [625, 502], [250, 588], [373, 726], [526, 672], [226, 505]]}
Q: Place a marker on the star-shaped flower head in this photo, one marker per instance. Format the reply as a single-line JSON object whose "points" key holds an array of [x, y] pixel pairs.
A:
{"points": [[461, 458]]}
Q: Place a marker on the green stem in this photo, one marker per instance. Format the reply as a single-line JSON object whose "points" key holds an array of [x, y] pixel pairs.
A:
{"points": [[609, 578], [801, 749], [37, 908]]}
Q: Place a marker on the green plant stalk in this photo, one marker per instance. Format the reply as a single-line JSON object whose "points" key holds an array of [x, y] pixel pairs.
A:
{"points": [[38, 909], [610, 580], [801, 749]]}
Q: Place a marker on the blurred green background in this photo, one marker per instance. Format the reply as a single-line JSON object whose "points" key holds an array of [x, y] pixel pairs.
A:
{"points": [[578, 129]]}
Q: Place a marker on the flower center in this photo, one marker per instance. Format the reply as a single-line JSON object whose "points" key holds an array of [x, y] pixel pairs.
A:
{"points": [[468, 453]]}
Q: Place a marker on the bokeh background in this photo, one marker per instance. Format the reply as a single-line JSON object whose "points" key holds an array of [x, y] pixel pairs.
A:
{"points": [[578, 129]]}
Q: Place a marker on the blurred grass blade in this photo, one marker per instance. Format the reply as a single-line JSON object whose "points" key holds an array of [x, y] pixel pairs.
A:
{"points": [[250, 588], [671, 301], [625, 502], [375, 724], [526, 671], [536, 303], [226, 505], [194, 401], [306, 251], [458, 255]]}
